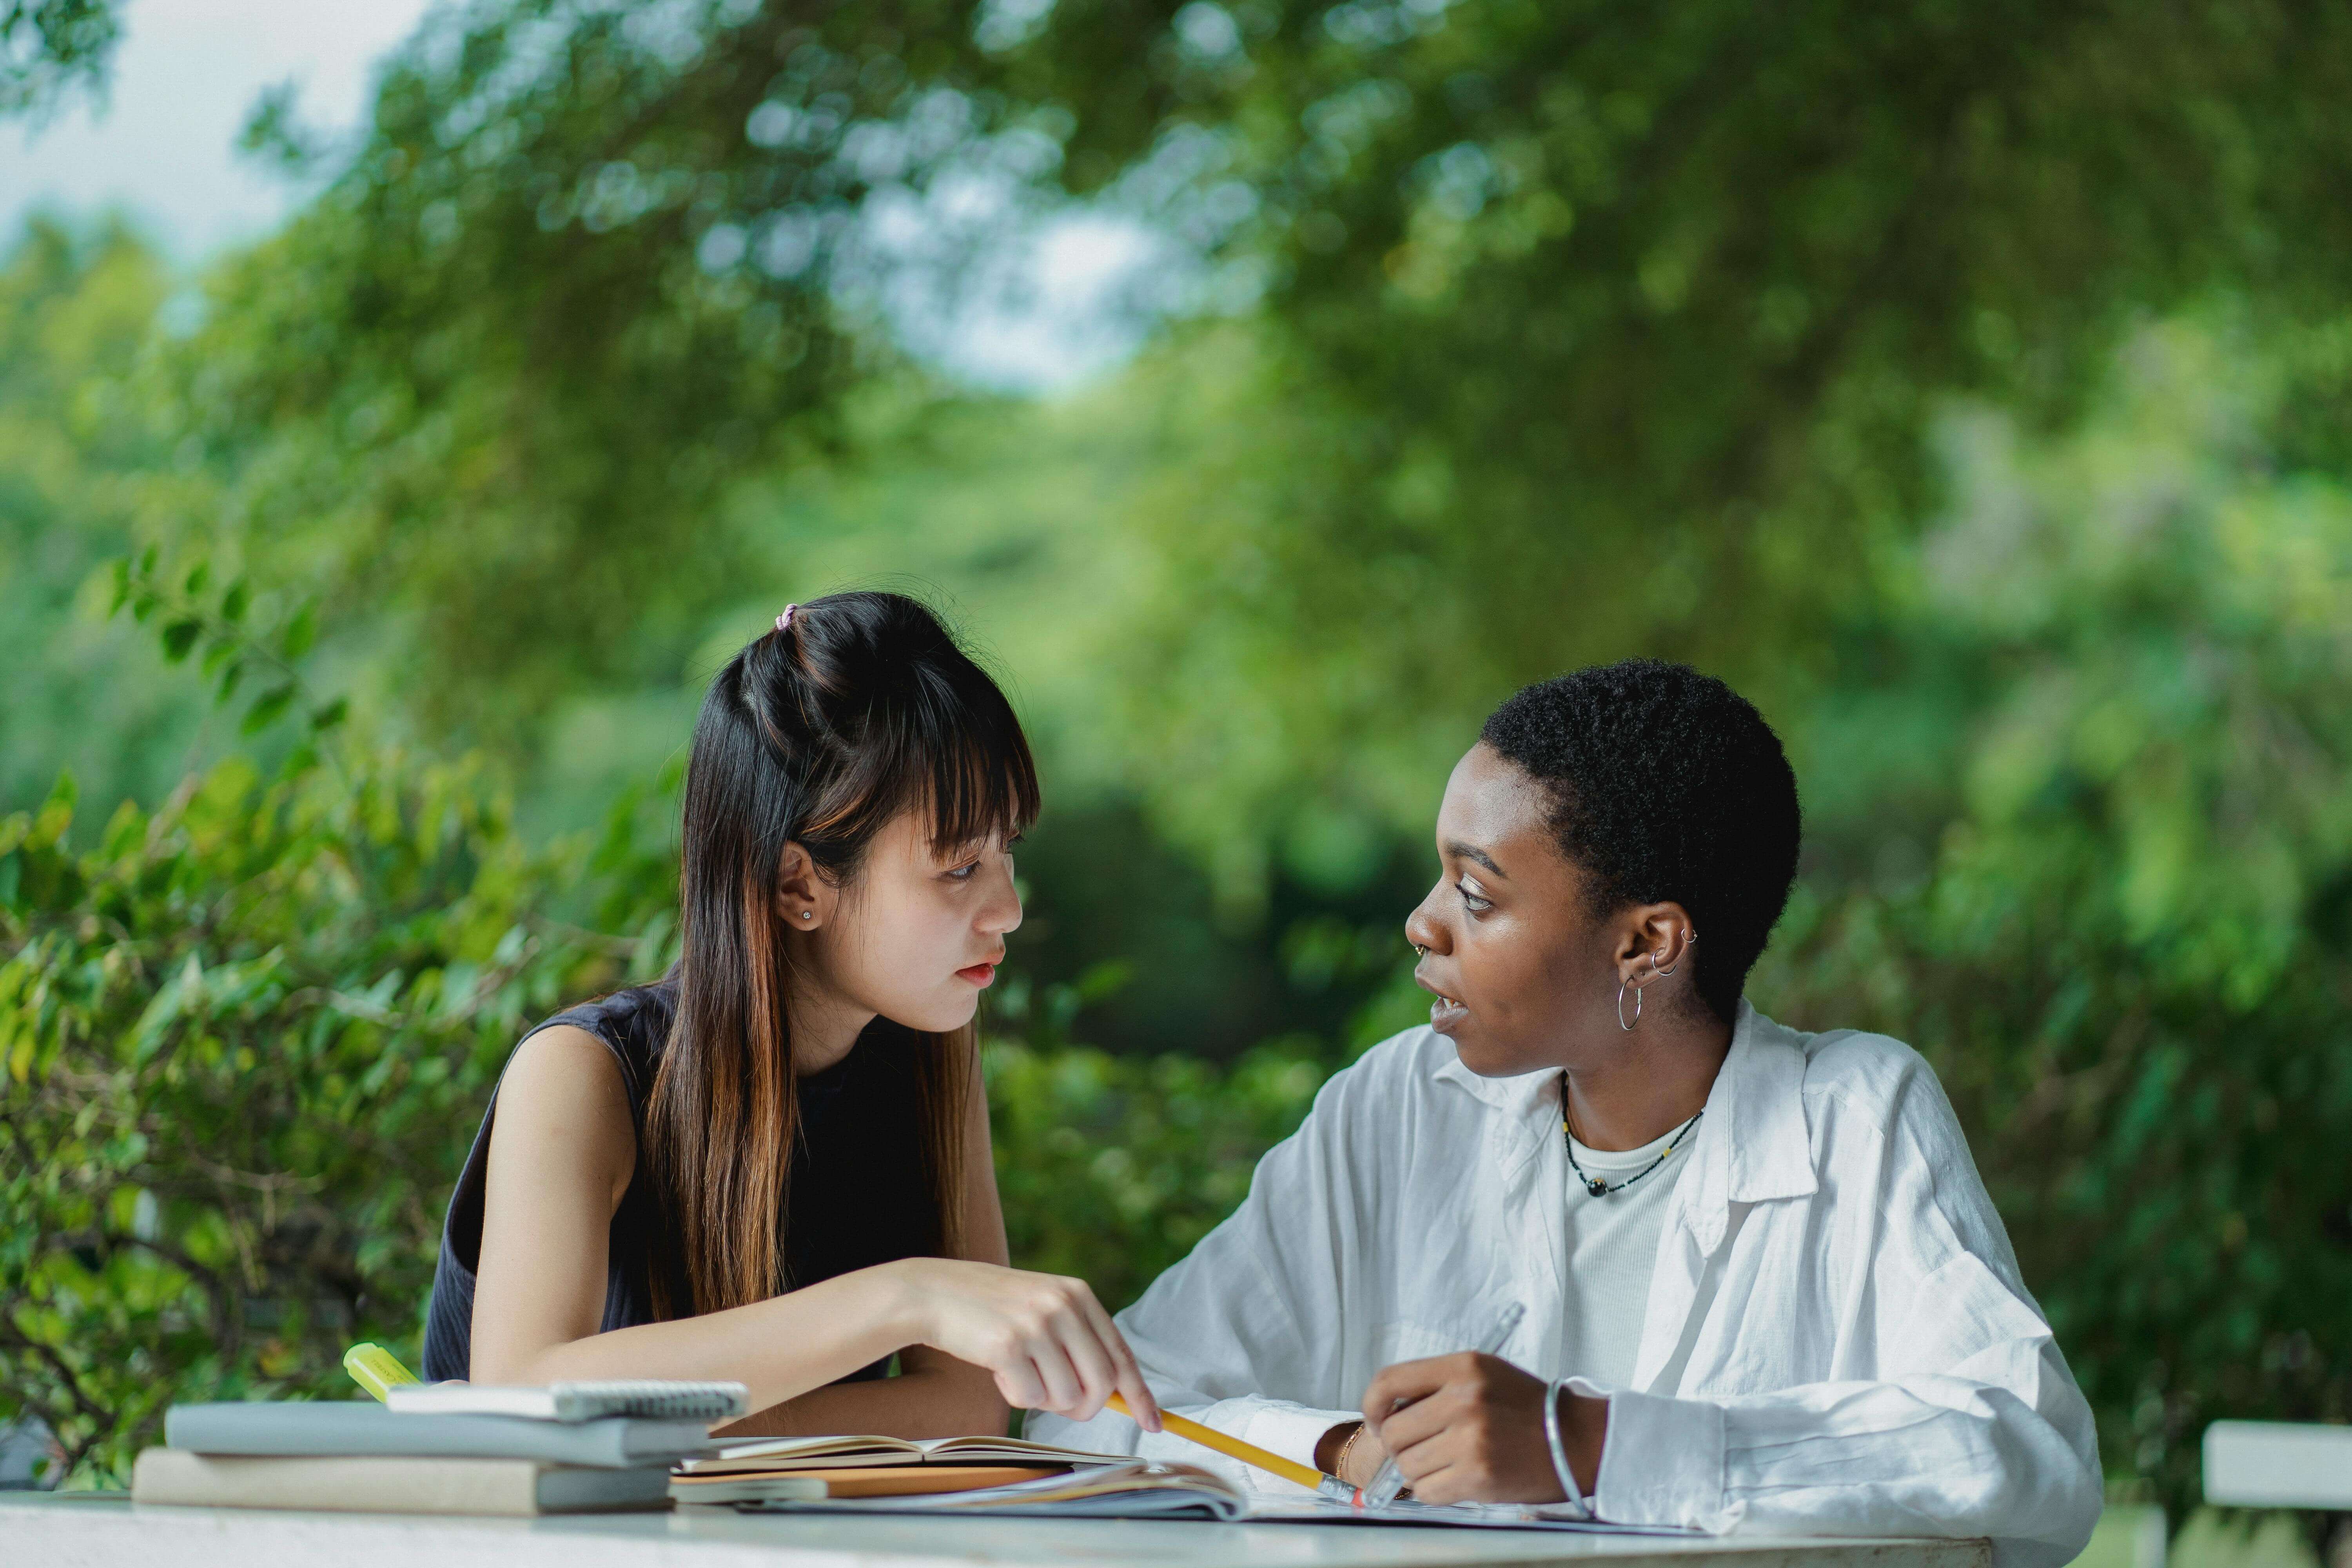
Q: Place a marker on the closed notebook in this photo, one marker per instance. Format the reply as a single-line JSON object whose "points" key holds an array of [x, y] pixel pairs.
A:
{"points": [[648, 1398], [391, 1484], [355, 1426]]}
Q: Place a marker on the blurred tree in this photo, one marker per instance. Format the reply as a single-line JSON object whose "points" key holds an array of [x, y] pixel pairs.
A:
{"points": [[2130, 958], [84, 451], [1593, 327], [490, 392], [47, 46]]}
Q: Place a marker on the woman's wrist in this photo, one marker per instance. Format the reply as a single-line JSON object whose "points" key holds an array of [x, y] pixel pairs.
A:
{"points": [[1330, 1449], [902, 1305], [1583, 1433]]}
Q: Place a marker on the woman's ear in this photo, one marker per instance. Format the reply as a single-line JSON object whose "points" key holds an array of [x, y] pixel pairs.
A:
{"points": [[804, 899], [1652, 941]]}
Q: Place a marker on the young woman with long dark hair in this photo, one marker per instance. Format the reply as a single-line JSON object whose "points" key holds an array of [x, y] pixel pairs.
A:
{"points": [[772, 1165]]}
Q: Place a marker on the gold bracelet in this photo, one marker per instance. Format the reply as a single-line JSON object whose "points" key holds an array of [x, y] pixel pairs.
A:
{"points": [[1345, 1448]]}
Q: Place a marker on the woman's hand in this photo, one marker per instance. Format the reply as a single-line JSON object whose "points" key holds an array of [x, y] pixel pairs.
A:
{"points": [[1046, 1339], [1471, 1430]]}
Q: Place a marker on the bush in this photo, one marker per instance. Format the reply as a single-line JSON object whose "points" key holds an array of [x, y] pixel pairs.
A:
{"points": [[246, 1040]]}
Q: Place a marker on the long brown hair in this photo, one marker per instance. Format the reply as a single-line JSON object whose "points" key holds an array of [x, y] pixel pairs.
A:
{"points": [[818, 733]]}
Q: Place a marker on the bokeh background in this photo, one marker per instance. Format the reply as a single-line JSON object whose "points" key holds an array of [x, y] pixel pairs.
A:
{"points": [[1267, 388]]}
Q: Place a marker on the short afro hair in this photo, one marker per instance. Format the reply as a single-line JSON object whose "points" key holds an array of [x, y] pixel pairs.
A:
{"points": [[1666, 786]]}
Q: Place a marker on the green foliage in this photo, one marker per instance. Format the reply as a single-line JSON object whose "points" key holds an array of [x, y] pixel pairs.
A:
{"points": [[1591, 330], [1787, 343], [84, 453], [244, 1037], [490, 394], [2131, 960], [1111, 1167]]}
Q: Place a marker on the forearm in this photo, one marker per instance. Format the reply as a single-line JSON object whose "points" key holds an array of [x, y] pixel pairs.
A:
{"points": [[947, 1401], [779, 1349], [1931, 1455]]}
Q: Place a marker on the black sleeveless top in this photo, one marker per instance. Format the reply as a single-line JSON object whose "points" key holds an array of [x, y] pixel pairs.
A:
{"points": [[858, 1194]]}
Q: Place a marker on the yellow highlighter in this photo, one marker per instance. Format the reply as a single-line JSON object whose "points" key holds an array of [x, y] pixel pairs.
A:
{"points": [[1247, 1453], [375, 1369]]}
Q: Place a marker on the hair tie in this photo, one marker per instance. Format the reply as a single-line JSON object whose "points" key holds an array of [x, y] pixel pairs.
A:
{"points": [[784, 621]]}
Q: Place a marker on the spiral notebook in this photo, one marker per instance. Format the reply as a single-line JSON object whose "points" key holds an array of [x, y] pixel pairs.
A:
{"points": [[646, 1398]]}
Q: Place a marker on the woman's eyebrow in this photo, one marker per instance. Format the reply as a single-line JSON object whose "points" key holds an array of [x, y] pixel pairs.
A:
{"points": [[1471, 852]]}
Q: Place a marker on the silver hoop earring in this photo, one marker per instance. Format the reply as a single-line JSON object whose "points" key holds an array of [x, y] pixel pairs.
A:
{"points": [[1689, 937], [1621, 988]]}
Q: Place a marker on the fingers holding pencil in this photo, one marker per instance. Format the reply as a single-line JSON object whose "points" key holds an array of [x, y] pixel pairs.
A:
{"points": [[1127, 1373]]}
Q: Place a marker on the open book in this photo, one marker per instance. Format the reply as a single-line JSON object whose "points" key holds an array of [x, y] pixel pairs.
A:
{"points": [[758, 1455], [1105, 1489]]}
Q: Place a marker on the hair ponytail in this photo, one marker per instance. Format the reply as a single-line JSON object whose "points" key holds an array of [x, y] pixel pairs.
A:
{"points": [[858, 706]]}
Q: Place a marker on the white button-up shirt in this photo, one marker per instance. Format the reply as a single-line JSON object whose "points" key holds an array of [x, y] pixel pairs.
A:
{"points": [[1837, 1339]]}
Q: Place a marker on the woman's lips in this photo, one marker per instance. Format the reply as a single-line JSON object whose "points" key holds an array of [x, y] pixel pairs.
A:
{"points": [[979, 974], [1446, 1013]]}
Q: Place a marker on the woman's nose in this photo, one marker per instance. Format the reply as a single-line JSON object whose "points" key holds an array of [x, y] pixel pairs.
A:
{"points": [[1001, 915], [1423, 930]]}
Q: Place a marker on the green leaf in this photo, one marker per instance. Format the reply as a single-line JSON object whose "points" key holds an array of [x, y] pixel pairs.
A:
{"points": [[232, 676], [179, 638], [119, 571], [267, 707], [200, 574], [301, 633], [328, 715], [234, 601]]}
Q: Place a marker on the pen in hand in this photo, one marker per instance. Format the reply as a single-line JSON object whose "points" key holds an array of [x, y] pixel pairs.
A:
{"points": [[1388, 1480]]}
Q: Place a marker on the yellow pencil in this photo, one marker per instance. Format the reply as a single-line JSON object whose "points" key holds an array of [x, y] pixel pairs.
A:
{"points": [[1232, 1447]]}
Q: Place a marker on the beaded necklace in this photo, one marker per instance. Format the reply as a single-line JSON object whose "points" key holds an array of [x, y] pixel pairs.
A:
{"points": [[1594, 1184]]}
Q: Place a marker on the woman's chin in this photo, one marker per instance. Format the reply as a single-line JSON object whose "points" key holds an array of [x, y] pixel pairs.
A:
{"points": [[943, 1016]]}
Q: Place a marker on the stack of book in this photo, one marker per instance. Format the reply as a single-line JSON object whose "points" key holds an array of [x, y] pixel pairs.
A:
{"points": [[576, 1447], [948, 1475]]}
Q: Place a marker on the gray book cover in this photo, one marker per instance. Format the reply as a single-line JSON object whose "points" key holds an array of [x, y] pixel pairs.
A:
{"points": [[357, 1427]]}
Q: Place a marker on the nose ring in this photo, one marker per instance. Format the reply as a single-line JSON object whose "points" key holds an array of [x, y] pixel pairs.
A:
{"points": [[1420, 951]]}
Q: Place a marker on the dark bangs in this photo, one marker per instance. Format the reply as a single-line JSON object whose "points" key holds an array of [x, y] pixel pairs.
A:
{"points": [[933, 734]]}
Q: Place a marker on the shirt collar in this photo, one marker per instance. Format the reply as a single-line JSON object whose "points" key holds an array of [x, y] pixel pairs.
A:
{"points": [[1763, 1150], [1759, 1148]]}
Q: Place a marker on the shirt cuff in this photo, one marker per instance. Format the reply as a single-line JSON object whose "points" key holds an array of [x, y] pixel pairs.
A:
{"points": [[1661, 1460], [1291, 1431]]}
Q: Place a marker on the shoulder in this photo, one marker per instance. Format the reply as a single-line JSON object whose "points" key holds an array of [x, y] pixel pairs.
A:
{"points": [[562, 1099], [1871, 1095], [1404, 1077], [1861, 1076]]}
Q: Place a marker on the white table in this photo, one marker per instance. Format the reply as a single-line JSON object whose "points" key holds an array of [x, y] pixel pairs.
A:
{"points": [[2278, 1464], [110, 1532]]}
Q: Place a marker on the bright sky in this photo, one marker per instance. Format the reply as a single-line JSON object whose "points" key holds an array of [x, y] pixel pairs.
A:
{"points": [[160, 144]]}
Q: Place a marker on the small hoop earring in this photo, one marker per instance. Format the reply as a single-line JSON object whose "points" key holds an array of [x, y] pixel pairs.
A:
{"points": [[1621, 988], [1689, 938]]}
